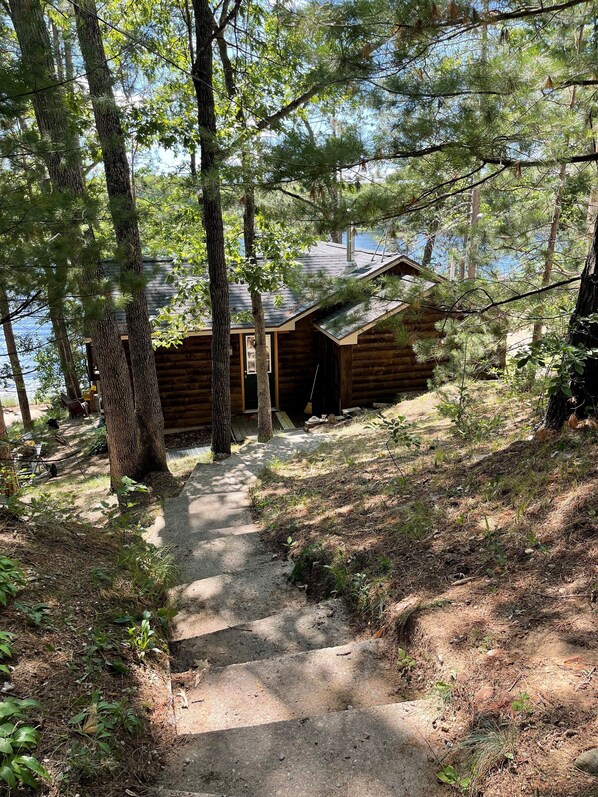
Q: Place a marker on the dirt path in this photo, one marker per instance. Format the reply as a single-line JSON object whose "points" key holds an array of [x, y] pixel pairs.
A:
{"points": [[274, 696]]}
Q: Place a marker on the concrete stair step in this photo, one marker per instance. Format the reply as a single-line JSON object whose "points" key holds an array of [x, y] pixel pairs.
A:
{"points": [[288, 687], [228, 476], [319, 625], [175, 793], [212, 604], [232, 554], [178, 533], [385, 751]]}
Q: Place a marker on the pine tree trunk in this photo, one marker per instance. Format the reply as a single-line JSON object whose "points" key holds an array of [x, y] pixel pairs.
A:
{"points": [[431, 241], [8, 479], [214, 229], [122, 208], [556, 213], [62, 159], [472, 248], [15, 363], [264, 400], [63, 347], [584, 386], [552, 238]]}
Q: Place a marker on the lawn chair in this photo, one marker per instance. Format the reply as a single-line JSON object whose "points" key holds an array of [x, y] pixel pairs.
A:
{"points": [[77, 407], [28, 464]]}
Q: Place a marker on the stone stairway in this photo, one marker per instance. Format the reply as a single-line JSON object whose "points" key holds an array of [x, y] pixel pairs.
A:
{"points": [[275, 697]]}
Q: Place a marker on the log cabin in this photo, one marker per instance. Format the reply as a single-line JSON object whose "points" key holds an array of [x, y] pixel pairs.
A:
{"points": [[348, 354]]}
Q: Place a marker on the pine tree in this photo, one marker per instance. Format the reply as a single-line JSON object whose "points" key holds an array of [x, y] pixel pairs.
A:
{"points": [[152, 453]]}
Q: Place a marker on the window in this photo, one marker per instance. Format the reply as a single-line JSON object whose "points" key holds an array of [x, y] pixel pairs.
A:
{"points": [[250, 366]]}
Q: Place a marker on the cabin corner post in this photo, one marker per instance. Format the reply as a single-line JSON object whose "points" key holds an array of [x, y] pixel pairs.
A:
{"points": [[242, 363], [275, 366], [346, 376]]}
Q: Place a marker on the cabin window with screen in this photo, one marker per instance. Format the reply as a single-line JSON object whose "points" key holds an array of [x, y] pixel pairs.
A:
{"points": [[250, 365]]}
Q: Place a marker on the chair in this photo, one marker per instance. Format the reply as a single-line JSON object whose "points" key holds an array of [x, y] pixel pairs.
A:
{"points": [[76, 407]]}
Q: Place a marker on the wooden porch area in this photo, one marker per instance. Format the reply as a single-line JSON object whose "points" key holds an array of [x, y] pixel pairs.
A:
{"points": [[245, 426]]}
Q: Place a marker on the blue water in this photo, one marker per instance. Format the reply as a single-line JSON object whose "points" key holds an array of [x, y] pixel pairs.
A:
{"points": [[36, 330]]}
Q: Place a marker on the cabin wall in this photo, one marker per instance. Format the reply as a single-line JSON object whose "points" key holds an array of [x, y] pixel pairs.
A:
{"points": [[185, 381], [381, 368], [296, 365]]}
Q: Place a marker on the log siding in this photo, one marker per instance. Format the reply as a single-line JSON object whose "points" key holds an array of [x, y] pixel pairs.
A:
{"points": [[381, 368]]}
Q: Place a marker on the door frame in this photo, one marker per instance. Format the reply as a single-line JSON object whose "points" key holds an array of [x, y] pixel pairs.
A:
{"points": [[274, 360]]}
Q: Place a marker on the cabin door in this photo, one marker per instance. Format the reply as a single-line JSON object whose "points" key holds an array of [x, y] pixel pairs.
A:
{"points": [[250, 373]]}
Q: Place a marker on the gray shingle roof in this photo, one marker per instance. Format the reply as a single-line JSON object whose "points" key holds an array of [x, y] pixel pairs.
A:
{"points": [[327, 260], [352, 318]]}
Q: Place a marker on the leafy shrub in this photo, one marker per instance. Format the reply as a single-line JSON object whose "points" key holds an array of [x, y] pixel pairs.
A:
{"points": [[36, 615], [143, 637], [5, 650], [308, 557], [101, 720], [468, 424], [11, 578], [98, 444], [17, 741]]}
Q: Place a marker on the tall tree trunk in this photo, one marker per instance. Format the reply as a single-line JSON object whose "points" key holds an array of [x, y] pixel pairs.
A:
{"points": [[472, 244], [62, 159], [264, 401], [556, 213], [583, 334], [124, 218], [8, 479], [15, 363], [552, 238], [431, 240], [63, 347], [214, 229], [592, 212]]}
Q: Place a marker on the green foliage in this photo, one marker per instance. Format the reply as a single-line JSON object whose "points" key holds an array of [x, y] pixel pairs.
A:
{"points": [[522, 704], [6, 638], [48, 371], [405, 662], [451, 777], [151, 570], [101, 720], [18, 740], [560, 359], [99, 443], [400, 431], [444, 691], [468, 423], [121, 516], [36, 614], [142, 637], [309, 556], [101, 653], [11, 578]]}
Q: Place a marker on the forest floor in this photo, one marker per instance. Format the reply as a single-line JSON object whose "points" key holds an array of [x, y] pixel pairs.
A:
{"points": [[491, 539], [83, 479], [89, 619], [88, 644]]}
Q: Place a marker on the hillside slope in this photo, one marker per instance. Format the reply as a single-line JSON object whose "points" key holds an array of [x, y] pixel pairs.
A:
{"points": [[493, 536]]}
